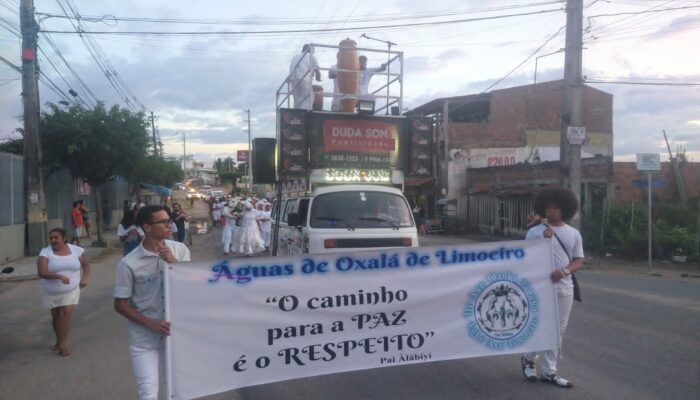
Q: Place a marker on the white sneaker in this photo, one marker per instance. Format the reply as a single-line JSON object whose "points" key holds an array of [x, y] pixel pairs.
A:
{"points": [[555, 379], [529, 371]]}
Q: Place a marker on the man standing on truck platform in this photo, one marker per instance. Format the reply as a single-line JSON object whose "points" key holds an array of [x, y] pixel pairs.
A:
{"points": [[366, 75], [303, 68]]}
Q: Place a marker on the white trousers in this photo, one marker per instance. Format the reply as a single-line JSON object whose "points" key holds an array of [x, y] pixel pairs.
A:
{"points": [[303, 96], [146, 365], [227, 236], [265, 233], [565, 300]]}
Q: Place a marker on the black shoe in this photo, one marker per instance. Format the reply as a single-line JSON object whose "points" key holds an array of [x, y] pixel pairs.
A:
{"points": [[529, 371], [557, 380]]}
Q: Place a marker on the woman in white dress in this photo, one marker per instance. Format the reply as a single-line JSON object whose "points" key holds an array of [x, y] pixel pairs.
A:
{"points": [[59, 268], [248, 239], [216, 212], [264, 216]]}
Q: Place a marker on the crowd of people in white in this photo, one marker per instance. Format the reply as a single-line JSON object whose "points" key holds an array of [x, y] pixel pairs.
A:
{"points": [[245, 222]]}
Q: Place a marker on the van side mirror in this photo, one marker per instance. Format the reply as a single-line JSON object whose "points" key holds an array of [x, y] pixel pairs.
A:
{"points": [[293, 219]]}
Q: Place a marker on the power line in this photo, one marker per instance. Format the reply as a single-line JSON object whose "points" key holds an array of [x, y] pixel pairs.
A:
{"points": [[51, 85], [12, 10], [643, 12], [302, 21], [82, 86], [525, 60], [306, 31], [99, 56], [598, 80], [96, 55], [10, 64]]}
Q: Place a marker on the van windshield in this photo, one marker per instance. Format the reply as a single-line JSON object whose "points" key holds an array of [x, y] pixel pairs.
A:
{"points": [[360, 209]]}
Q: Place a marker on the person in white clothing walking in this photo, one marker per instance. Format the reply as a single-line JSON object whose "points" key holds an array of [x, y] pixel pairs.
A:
{"points": [[59, 267], [139, 295], [229, 231], [557, 205], [265, 219], [248, 240]]}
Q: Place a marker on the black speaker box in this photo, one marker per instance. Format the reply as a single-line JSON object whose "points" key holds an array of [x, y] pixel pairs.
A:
{"points": [[263, 160]]}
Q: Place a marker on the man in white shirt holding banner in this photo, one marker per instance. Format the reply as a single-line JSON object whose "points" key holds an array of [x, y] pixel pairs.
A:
{"points": [[557, 205], [139, 295]]}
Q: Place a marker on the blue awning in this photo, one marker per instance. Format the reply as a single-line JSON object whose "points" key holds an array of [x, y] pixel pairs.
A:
{"points": [[161, 190]]}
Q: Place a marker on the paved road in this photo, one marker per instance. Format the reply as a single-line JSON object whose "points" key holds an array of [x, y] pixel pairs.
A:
{"points": [[633, 337]]}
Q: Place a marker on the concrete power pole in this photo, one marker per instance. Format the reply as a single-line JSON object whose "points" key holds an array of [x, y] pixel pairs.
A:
{"points": [[570, 154], [153, 131], [33, 174]]}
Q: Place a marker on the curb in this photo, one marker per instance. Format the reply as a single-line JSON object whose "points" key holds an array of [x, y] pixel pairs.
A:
{"points": [[19, 277]]}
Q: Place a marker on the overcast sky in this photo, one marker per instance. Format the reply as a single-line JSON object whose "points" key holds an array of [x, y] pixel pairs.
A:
{"points": [[200, 84]]}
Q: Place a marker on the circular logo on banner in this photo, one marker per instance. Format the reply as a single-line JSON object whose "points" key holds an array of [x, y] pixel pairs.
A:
{"points": [[502, 311]]}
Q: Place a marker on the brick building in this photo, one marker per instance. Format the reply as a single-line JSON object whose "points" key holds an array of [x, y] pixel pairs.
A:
{"points": [[629, 184], [513, 135]]}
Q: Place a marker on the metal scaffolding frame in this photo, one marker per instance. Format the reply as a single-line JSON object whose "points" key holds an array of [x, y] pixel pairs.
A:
{"points": [[394, 79]]}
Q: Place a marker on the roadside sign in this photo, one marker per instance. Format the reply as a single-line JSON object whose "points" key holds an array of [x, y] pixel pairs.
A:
{"points": [[656, 183], [242, 155], [648, 162], [576, 134]]}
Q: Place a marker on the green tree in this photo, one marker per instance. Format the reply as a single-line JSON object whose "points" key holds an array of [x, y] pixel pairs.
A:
{"points": [[14, 146], [224, 165], [156, 170], [94, 144]]}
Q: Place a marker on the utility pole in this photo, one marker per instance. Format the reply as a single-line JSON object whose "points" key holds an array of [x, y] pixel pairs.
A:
{"points": [[570, 153], [184, 153], [153, 130], [33, 175], [680, 187], [250, 155]]}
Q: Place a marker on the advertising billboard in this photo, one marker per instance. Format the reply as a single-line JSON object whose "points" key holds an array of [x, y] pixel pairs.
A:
{"points": [[293, 142], [338, 141], [420, 160], [242, 156]]}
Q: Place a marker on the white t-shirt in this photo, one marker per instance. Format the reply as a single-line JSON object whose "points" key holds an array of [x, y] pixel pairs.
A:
{"points": [[68, 265], [140, 279], [365, 77], [307, 64], [570, 237], [132, 233]]}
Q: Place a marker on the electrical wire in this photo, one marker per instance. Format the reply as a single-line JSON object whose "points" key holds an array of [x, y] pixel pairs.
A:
{"points": [[641, 83], [525, 60], [301, 21], [315, 31], [99, 56], [81, 85]]}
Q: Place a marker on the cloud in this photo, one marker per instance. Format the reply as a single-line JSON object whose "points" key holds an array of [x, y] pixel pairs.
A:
{"points": [[677, 25]]}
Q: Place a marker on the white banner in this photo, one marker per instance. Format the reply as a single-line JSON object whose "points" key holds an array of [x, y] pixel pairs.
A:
{"points": [[245, 322]]}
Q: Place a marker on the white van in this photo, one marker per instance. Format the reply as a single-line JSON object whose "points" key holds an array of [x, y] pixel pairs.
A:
{"points": [[343, 218]]}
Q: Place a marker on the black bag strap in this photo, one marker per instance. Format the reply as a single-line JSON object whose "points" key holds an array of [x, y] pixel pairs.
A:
{"points": [[560, 242], [577, 289]]}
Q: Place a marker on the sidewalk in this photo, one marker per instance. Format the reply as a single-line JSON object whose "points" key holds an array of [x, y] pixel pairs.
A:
{"points": [[25, 267], [593, 262]]}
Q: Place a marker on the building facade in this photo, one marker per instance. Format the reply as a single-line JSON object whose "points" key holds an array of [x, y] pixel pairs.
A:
{"points": [[514, 129]]}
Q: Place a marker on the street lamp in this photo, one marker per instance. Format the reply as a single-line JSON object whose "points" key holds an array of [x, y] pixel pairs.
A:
{"points": [[250, 154]]}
